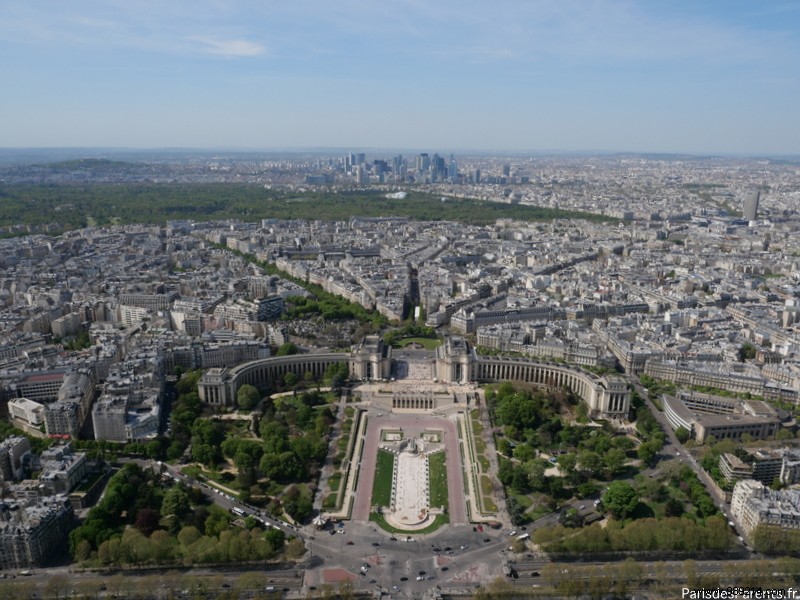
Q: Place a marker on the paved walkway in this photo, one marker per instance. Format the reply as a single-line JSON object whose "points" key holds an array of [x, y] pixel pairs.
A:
{"points": [[368, 448], [411, 489]]}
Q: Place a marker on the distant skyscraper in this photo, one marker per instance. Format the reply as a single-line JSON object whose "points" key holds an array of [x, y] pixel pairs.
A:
{"points": [[452, 170], [750, 209], [506, 170], [438, 168], [360, 174], [379, 166]]}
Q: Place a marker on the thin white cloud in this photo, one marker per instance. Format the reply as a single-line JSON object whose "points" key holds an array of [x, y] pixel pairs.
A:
{"points": [[474, 31], [228, 48], [164, 29]]}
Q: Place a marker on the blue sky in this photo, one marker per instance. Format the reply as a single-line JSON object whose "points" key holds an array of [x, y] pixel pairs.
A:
{"points": [[507, 75]]}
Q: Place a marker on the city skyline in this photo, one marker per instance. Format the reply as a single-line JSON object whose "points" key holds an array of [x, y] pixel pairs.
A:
{"points": [[546, 76]]}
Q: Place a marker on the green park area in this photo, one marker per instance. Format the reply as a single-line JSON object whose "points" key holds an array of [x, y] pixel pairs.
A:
{"points": [[144, 519], [548, 458], [437, 475], [480, 444], [412, 333], [487, 494], [427, 343], [104, 204], [382, 485], [267, 459], [348, 431]]}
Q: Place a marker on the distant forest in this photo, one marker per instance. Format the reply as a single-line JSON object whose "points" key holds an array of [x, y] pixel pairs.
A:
{"points": [[63, 207]]}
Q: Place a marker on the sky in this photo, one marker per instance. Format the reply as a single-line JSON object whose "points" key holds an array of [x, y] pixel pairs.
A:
{"points": [[688, 76]]}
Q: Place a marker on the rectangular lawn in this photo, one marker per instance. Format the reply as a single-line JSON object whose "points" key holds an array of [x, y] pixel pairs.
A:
{"points": [[382, 486], [437, 474]]}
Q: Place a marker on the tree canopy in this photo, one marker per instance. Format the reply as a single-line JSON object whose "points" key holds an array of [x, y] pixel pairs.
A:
{"points": [[247, 397], [620, 499], [106, 204]]}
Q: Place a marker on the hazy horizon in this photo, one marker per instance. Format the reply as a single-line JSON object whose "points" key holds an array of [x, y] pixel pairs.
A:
{"points": [[91, 152]]}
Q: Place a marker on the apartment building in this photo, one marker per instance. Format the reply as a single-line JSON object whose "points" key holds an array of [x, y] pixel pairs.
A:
{"points": [[754, 504], [13, 454], [764, 465], [31, 532]]}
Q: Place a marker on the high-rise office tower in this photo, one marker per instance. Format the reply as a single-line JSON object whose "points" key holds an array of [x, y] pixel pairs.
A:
{"points": [[452, 170], [438, 168], [360, 174], [379, 166], [750, 208]]}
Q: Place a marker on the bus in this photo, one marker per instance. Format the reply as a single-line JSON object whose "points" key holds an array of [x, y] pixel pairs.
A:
{"points": [[237, 511]]}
